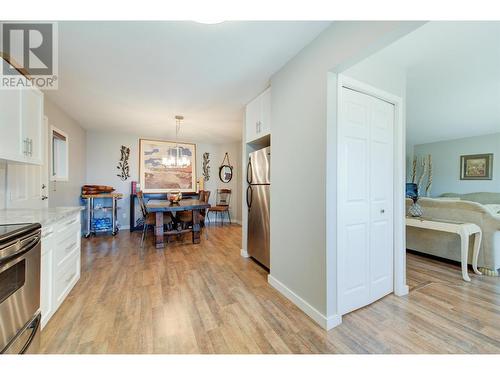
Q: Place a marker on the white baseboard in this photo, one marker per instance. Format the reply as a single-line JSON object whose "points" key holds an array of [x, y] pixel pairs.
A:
{"points": [[402, 291], [124, 227], [244, 253], [323, 321]]}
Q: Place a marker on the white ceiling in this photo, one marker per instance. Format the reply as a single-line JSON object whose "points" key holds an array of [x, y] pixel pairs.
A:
{"points": [[452, 79], [135, 77]]}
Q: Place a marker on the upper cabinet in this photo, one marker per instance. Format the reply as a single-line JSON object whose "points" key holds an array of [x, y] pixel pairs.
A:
{"points": [[10, 125], [258, 117], [32, 124], [21, 124]]}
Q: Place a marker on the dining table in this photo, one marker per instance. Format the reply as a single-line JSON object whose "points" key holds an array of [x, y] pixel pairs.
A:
{"points": [[159, 207]]}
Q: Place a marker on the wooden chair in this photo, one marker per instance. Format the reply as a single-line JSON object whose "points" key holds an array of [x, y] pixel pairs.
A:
{"points": [[222, 204], [150, 217]]}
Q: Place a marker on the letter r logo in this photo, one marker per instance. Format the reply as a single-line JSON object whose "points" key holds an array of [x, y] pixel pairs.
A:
{"points": [[29, 46]]}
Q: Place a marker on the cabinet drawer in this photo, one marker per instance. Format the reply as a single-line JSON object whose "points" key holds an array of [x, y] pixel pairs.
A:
{"points": [[65, 275], [66, 246]]}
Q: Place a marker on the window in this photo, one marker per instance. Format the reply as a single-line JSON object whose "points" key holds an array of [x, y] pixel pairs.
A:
{"points": [[59, 159]]}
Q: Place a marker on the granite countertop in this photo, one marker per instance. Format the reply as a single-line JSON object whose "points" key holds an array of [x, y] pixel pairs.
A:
{"points": [[44, 216]]}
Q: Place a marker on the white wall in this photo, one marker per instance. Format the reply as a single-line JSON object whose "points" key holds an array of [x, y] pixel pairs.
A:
{"points": [[303, 162], [103, 154], [446, 164], [378, 71], [67, 193]]}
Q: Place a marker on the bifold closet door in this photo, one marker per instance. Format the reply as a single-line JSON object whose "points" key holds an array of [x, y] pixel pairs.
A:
{"points": [[366, 215]]}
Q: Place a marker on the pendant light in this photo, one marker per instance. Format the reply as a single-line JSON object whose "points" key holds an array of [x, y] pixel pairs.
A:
{"points": [[176, 159]]}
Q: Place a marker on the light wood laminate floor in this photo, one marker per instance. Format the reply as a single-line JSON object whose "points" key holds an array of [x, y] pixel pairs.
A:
{"points": [[208, 299]]}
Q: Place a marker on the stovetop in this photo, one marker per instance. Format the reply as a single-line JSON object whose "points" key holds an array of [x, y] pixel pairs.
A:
{"points": [[9, 231]]}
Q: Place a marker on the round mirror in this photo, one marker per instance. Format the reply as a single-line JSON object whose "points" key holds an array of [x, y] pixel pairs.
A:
{"points": [[225, 173]]}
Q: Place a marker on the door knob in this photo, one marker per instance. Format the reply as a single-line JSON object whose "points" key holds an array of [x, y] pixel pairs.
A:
{"points": [[44, 197], [382, 211]]}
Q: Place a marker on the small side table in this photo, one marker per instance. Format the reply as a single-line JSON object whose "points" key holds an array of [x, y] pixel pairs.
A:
{"points": [[90, 211], [464, 230]]}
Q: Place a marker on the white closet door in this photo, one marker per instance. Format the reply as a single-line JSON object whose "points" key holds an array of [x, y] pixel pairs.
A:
{"points": [[381, 198], [366, 171]]}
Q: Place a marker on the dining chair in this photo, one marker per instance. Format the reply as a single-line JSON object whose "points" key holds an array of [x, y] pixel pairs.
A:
{"points": [[222, 204], [149, 218]]}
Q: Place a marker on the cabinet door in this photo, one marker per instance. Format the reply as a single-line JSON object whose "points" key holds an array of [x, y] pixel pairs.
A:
{"points": [[10, 125], [27, 183], [265, 113], [252, 119], [31, 124]]}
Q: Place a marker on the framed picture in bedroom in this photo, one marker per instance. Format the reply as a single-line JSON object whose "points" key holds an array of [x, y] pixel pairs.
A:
{"points": [[476, 167], [166, 166]]}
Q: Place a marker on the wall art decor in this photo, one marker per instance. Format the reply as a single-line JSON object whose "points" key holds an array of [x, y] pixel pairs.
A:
{"points": [[226, 170], [123, 165], [166, 166], [206, 167], [476, 167]]}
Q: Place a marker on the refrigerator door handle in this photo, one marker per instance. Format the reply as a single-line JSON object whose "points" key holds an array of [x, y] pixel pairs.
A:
{"points": [[249, 171], [249, 196]]}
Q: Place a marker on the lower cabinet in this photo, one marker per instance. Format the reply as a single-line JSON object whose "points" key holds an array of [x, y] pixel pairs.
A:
{"points": [[60, 263]]}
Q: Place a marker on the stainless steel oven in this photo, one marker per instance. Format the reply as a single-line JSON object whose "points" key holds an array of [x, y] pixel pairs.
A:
{"points": [[19, 288]]}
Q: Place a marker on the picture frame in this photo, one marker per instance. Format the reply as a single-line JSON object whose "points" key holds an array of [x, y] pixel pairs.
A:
{"points": [[156, 175], [476, 167]]}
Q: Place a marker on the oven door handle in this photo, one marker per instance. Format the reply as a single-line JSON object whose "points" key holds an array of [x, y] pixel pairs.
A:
{"points": [[26, 245], [14, 347], [34, 326]]}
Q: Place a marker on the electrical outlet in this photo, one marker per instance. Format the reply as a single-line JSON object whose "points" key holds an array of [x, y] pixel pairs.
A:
{"points": [[124, 215]]}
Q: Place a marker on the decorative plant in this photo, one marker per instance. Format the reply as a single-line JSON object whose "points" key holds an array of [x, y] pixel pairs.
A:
{"points": [[414, 171], [206, 167], [426, 171], [429, 178], [123, 163]]}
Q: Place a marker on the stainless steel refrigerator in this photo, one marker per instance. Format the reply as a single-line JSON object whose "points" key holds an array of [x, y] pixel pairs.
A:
{"points": [[258, 196]]}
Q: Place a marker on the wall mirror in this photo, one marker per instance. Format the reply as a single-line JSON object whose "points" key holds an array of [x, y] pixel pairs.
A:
{"points": [[226, 170], [59, 155]]}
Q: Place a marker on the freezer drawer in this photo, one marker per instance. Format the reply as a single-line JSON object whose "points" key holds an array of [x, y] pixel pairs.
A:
{"points": [[258, 223]]}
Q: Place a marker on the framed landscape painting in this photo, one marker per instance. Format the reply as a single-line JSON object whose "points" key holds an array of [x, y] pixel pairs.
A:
{"points": [[476, 167], [167, 166]]}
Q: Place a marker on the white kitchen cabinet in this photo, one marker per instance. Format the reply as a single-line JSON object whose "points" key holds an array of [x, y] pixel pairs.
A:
{"points": [[60, 263], [10, 125], [32, 125], [21, 125], [258, 117], [265, 110]]}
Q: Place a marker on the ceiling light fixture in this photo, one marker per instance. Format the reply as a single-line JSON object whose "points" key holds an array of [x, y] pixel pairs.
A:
{"points": [[175, 157]]}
